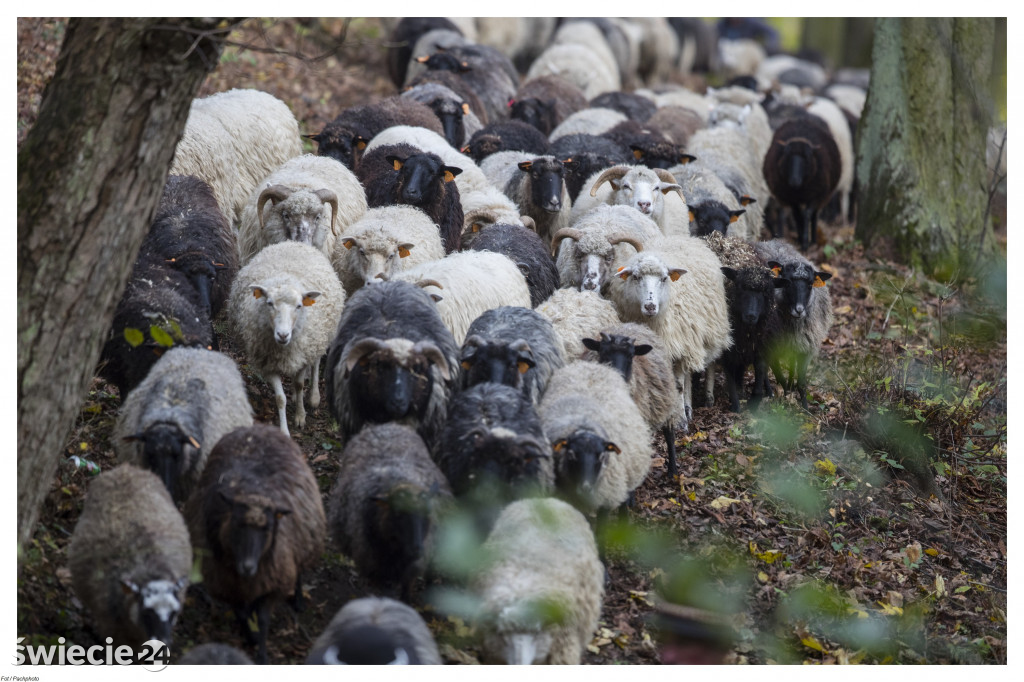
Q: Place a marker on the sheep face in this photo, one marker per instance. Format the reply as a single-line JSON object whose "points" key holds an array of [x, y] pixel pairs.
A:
{"points": [[483, 146], [283, 312], [794, 284], [155, 606], [647, 284], [498, 363], [451, 114], [401, 520], [369, 645], [660, 154], [394, 378], [617, 351], [540, 113], [298, 214], [376, 259], [341, 145], [168, 452], [248, 530], [546, 177], [445, 61], [520, 633], [712, 216], [420, 177], [643, 190], [753, 293], [579, 461], [501, 460]]}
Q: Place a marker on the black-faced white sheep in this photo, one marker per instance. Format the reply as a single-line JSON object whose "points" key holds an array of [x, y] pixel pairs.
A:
{"points": [[312, 199], [392, 359], [171, 421], [404, 174], [385, 503], [541, 586], [385, 241], [130, 557], [375, 631], [524, 248], [602, 443], [232, 140], [258, 515], [285, 304], [469, 283], [513, 346]]}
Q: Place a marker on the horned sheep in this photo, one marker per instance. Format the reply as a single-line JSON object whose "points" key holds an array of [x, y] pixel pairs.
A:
{"points": [[644, 189]]}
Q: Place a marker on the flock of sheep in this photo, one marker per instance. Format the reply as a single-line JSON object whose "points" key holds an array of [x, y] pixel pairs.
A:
{"points": [[515, 280]]}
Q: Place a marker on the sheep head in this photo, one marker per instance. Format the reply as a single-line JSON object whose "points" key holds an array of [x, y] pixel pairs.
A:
{"points": [[546, 177], [283, 309], [639, 187], [617, 351], [647, 280], [298, 212], [421, 177], [499, 363], [155, 603], [390, 379], [248, 529], [579, 460]]}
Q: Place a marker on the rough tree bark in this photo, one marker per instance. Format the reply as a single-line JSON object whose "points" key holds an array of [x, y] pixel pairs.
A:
{"points": [[90, 174], [921, 143]]}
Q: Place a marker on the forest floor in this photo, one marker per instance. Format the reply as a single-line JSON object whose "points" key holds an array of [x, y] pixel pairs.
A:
{"points": [[869, 527]]}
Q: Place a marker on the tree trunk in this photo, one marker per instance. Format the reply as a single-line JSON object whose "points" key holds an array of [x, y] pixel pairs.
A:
{"points": [[90, 175], [921, 143]]}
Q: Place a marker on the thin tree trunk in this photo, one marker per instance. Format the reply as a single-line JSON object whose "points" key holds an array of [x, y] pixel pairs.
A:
{"points": [[920, 150], [90, 174]]}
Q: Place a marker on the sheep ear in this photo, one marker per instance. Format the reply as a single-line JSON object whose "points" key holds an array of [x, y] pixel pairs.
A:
{"points": [[615, 184], [395, 162], [676, 273], [281, 513], [592, 344], [612, 447], [465, 108], [524, 364], [558, 445], [642, 349], [450, 172], [735, 215], [526, 166], [729, 273], [475, 227], [511, 101], [665, 189], [465, 149], [310, 298], [404, 250], [819, 279], [423, 59], [746, 200], [687, 158], [348, 242], [259, 292], [624, 273]]}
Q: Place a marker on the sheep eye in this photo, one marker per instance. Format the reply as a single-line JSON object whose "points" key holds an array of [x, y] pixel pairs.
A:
{"points": [[391, 256], [626, 185], [665, 278], [362, 251]]}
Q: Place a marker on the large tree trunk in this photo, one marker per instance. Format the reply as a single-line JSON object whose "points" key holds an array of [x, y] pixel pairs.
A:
{"points": [[90, 174], [921, 143]]}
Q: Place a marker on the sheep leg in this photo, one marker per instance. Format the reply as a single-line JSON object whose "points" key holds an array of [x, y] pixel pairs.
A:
{"points": [[296, 601], [263, 619], [244, 616], [801, 226], [814, 226], [314, 388], [275, 382], [760, 378], [732, 381], [670, 445], [299, 388], [709, 386], [685, 378], [801, 381]]}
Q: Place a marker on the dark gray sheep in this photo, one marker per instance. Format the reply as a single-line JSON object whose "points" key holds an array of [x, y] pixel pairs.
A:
{"points": [[456, 115], [404, 174], [524, 248], [191, 234], [506, 136], [546, 101], [392, 359], [258, 515], [493, 450], [385, 504], [590, 154], [513, 346], [636, 107], [215, 654], [802, 168], [488, 72], [375, 630], [403, 39], [345, 138], [130, 557], [457, 85]]}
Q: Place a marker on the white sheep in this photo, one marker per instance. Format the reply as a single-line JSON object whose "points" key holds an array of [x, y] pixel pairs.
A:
{"points": [[592, 121], [489, 206], [750, 118], [653, 192], [850, 98], [601, 441], [384, 241], [587, 34], [591, 248], [312, 200], [740, 57], [541, 584], [284, 307], [468, 283], [676, 287], [577, 314], [232, 140], [579, 65]]}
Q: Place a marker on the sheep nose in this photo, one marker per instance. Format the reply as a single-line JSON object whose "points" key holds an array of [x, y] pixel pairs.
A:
{"points": [[247, 568], [644, 206], [589, 285], [282, 337], [650, 308], [749, 319], [553, 206], [799, 309]]}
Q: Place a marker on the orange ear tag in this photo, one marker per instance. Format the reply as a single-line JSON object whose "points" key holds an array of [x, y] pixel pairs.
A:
{"points": [[258, 293], [307, 301], [637, 154], [466, 364], [403, 252], [818, 282], [692, 217], [361, 145], [523, 367], [776, 271], [448, 177]]}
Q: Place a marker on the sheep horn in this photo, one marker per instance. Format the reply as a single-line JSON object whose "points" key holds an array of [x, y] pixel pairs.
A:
{"points": [[665, 176], [329, 197], [273, 194], [528, 223], [429, 283], [361, 348], [431, 352], [564, 233], [619, 238], [612, 173]]}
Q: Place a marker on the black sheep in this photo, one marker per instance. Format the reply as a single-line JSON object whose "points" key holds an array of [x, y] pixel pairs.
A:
{"points": [[457, 85], [488, 72], [591, 153], [450, 109], [190, 233], [754, 317], [648, 147], [636, 107], [526, 249], [802, 169], [392, 359], [506, 136], [546, 101], [345, 138], [403, 40], [404, 174]]}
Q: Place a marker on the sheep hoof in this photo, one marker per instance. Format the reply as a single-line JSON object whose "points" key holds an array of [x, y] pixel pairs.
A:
{"points": [[314, 399]]}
